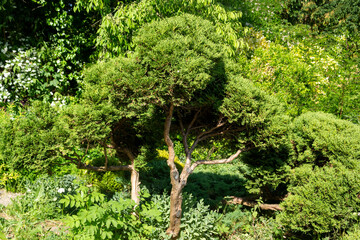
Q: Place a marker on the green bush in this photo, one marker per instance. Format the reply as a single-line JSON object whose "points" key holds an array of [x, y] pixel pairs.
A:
{"points": [[24, 145], [99, 218], [322, 201], [240, 223], [267, 173], [323, 189], [322, 139], [332, 16]]}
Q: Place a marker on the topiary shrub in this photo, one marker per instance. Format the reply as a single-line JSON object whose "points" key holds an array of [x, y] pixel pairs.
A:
{"points": [[322, 201], [322, 139], [324, 187]]}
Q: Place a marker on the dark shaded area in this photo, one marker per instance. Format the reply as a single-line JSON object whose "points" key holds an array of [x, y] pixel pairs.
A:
{"points": [[269, 171], [212, 187]]}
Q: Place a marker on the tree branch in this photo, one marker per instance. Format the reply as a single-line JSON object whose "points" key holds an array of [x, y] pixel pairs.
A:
{"points": [[73, 160], [249, 203], [203, 135], [184, 137], [220, 161], [192, 122], [174, 173], [128, 153], [104, 169]]}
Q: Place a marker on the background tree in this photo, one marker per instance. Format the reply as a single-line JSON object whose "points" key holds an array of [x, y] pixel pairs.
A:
{"points": [[44, 46], [104, 120], [120, 25], [324, 15]]}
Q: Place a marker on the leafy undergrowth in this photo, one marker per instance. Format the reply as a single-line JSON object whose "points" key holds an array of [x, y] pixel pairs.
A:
{"points": [[67, 208]]}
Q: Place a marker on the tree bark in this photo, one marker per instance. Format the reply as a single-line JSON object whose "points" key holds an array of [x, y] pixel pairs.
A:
{"points": [[177, 186], [135, 184], [175, 211]]}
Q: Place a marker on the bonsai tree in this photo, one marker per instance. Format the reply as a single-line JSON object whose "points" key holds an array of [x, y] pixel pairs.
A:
{"points": [[187, 77]]}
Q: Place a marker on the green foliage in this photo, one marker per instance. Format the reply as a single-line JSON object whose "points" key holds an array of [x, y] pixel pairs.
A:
{"points": [[42, 197], [36, 74], [268, 171], [181, 55], [239, 223], [285, 74], [322, 201], [102, 219], [30, 215], [198, 222], [10, 180], [25, 147], [352, 234], [323, 189], [248, 105], [324, 15], [117, 29], [47, 55], [84, 198], [24, 227], [306, 69], [112, 182], [322, 139], [317, 73]]}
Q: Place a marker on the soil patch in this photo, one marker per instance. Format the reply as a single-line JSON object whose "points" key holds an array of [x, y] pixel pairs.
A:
{"points": [[5, 197]]}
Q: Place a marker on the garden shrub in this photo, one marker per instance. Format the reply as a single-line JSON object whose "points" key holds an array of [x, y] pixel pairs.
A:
{"points": [[241, 223], [42, 197], [322, 201], [24, 145], [113, 182], [99, 218], [316, 73], [333, 16], [323, 191], [322, 139]]}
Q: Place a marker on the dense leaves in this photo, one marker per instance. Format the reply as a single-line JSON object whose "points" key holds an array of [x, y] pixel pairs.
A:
{"points": [[199, 82]]}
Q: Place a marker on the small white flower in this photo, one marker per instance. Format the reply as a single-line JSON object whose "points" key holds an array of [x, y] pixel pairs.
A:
{"points": [[61, 190], [6, 74]]}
